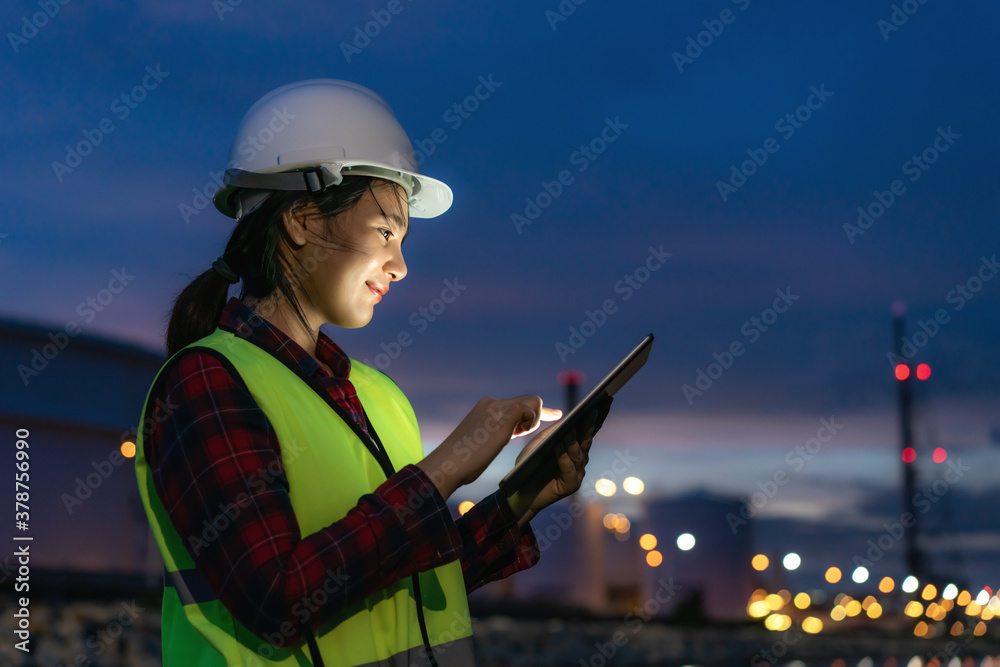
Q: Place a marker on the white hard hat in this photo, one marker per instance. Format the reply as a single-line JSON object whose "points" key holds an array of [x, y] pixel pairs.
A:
{"points": [[308, 135]]}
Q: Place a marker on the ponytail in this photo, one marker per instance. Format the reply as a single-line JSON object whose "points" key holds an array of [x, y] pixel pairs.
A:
{"points": [[254, 252], [196, 310]]}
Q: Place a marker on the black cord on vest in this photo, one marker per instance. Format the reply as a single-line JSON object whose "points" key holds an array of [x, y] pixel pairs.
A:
{"points": [[378, 451], [422, 622], [416, 579], [314, 649]]}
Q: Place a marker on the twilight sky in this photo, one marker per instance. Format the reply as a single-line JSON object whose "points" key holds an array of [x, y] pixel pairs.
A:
{"points": [[682, 167]]}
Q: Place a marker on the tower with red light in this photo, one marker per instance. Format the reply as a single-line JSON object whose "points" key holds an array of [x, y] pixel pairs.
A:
{"points": [[571, 379], [905, 374], [904, 377]]}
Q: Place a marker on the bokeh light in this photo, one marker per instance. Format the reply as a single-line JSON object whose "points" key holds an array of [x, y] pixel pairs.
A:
{"points": [[760, 562], [647, 541], [812, 625], [465, 506], [685, 541], [605, 487], [654, 558], [791, 561], [802, 601], [909, 455], [910, 584], [860, 574], [128, 449], [633, 485], [617, 523], [940, 455], [886, 585], [777, 622], [833, 575]]}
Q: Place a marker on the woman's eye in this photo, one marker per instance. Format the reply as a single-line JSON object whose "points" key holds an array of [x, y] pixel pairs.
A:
{"points": [[385, 233]]}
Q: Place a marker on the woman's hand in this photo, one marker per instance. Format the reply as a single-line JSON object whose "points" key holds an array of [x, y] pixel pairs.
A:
{"points": [[476, 441], [549, 485], [546, 488]]}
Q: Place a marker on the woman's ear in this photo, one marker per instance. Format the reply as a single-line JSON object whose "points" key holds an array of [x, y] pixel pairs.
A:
{"points": [[295, 221]]}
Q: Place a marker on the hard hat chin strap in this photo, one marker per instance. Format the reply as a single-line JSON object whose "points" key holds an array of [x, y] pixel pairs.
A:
{"points": [[314, 179], [248, 201], [255, 187]]}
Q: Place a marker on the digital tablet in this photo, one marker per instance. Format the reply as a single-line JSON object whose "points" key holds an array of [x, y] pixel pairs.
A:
{"points": [[546, 453]]}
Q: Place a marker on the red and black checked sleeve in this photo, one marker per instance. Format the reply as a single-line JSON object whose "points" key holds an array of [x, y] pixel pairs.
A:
{"points": [[495, 546]]}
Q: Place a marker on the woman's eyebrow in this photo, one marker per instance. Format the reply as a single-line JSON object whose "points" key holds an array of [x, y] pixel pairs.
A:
{"points": [[396, 219]]}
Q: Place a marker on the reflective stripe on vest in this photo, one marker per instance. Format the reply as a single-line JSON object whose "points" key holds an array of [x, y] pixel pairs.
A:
{"points": [[328, 468]]}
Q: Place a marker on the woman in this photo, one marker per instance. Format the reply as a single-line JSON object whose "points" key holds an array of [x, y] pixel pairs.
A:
{"points": [[298, 519]]}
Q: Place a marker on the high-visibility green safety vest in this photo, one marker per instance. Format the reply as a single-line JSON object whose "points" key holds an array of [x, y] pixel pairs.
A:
{"points": [[329, 467]]}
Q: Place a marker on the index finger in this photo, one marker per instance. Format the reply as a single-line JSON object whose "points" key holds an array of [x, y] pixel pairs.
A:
{"points": [[550, 414]]}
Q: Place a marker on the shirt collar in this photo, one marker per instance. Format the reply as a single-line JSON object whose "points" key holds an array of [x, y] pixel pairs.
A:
{"points": [[247, 324]]}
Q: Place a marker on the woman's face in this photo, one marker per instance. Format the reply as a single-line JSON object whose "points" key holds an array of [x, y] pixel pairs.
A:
{"points": [[342, 285]]}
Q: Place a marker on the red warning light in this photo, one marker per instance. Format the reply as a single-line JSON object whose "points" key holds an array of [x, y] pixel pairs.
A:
{"points": [[940, 454], [923, 371], [909, 455], [902, 371], [571, 377]]}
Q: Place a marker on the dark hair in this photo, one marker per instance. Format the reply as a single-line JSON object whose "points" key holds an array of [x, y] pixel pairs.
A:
{"points": [[254, 251]]}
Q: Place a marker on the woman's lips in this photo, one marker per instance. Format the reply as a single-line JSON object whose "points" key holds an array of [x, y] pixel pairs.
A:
{"points": [[378, 294]]}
